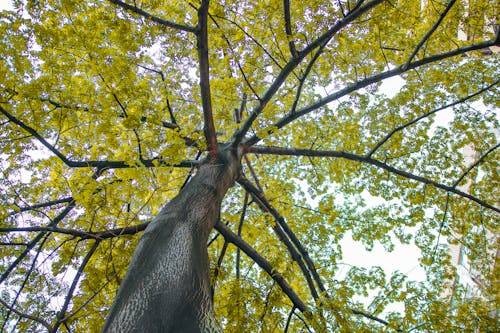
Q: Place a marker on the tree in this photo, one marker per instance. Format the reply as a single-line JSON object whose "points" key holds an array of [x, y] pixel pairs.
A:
{"points": [[112, 109]]}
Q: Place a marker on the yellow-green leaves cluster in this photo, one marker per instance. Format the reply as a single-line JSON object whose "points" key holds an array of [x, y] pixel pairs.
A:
{"points": [[102, 84]]}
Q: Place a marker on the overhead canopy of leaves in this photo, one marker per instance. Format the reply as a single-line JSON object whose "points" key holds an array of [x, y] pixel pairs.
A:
{"points": [[103, 119]]}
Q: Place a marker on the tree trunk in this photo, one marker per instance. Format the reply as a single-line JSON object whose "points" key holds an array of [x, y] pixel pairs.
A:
{"points": [[167, 285]]}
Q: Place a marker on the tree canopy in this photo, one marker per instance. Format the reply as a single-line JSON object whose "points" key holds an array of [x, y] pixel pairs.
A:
{"points": [[108, 107]]}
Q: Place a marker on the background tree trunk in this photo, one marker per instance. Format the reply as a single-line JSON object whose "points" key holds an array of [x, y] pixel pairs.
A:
{"points": [[167, 285]]}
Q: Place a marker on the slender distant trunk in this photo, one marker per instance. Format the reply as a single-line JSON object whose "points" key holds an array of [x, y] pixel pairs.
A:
{"points": [[167, 285]]}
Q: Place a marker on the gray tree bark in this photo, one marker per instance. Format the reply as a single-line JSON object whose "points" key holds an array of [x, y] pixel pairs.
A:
{"points": [[167, 285]]}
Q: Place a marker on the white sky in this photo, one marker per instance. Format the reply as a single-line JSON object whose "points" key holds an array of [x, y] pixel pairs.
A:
{"points": [[6, 4]]}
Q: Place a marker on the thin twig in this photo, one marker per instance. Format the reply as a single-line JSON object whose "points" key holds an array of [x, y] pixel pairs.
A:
{"points": [[475, 164], [25, 315], [428, 34], [427, 114], [32, 243], [240, 226], [61, 314], [218, 266], [25, 281], [288, 320]]}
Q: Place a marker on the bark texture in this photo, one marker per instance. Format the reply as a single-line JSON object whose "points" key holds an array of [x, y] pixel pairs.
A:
{"points": [[167, 285]]}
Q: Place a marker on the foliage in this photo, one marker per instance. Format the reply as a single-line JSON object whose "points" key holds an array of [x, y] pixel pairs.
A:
{"points": [[103, 119]]}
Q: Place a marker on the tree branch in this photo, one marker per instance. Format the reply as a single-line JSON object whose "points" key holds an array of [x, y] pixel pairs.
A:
{"points": [[280, 232], [370, 80], [36, 135], [13, 244], [101, 165], [169, 108], [143, 119], [288, 29], [61, 314], [153, 18], [425, 115], [27, 316], [42, 205], [218, 266], [306, 74], [263, 263], [472, 166], [240, 226], [53, 223], [351, 16], [206, 98], [367, 160], [369, 316], [291, 65], [236, 60], [428, 34], [276, 62], [27, 275], [259, 196], [38, 237], [97, 235]]}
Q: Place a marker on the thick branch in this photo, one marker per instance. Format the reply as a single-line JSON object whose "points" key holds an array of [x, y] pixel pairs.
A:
{"points": [[260, 197], [148, 163], [206, 98], [351, 16], [367, 160], [153, 18], [288, 28], [425, 115], [292, 64], [370, 80], [154, 162], [282, 235], [263, 263], [285, 72], [98, 235], [396, 71]]}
